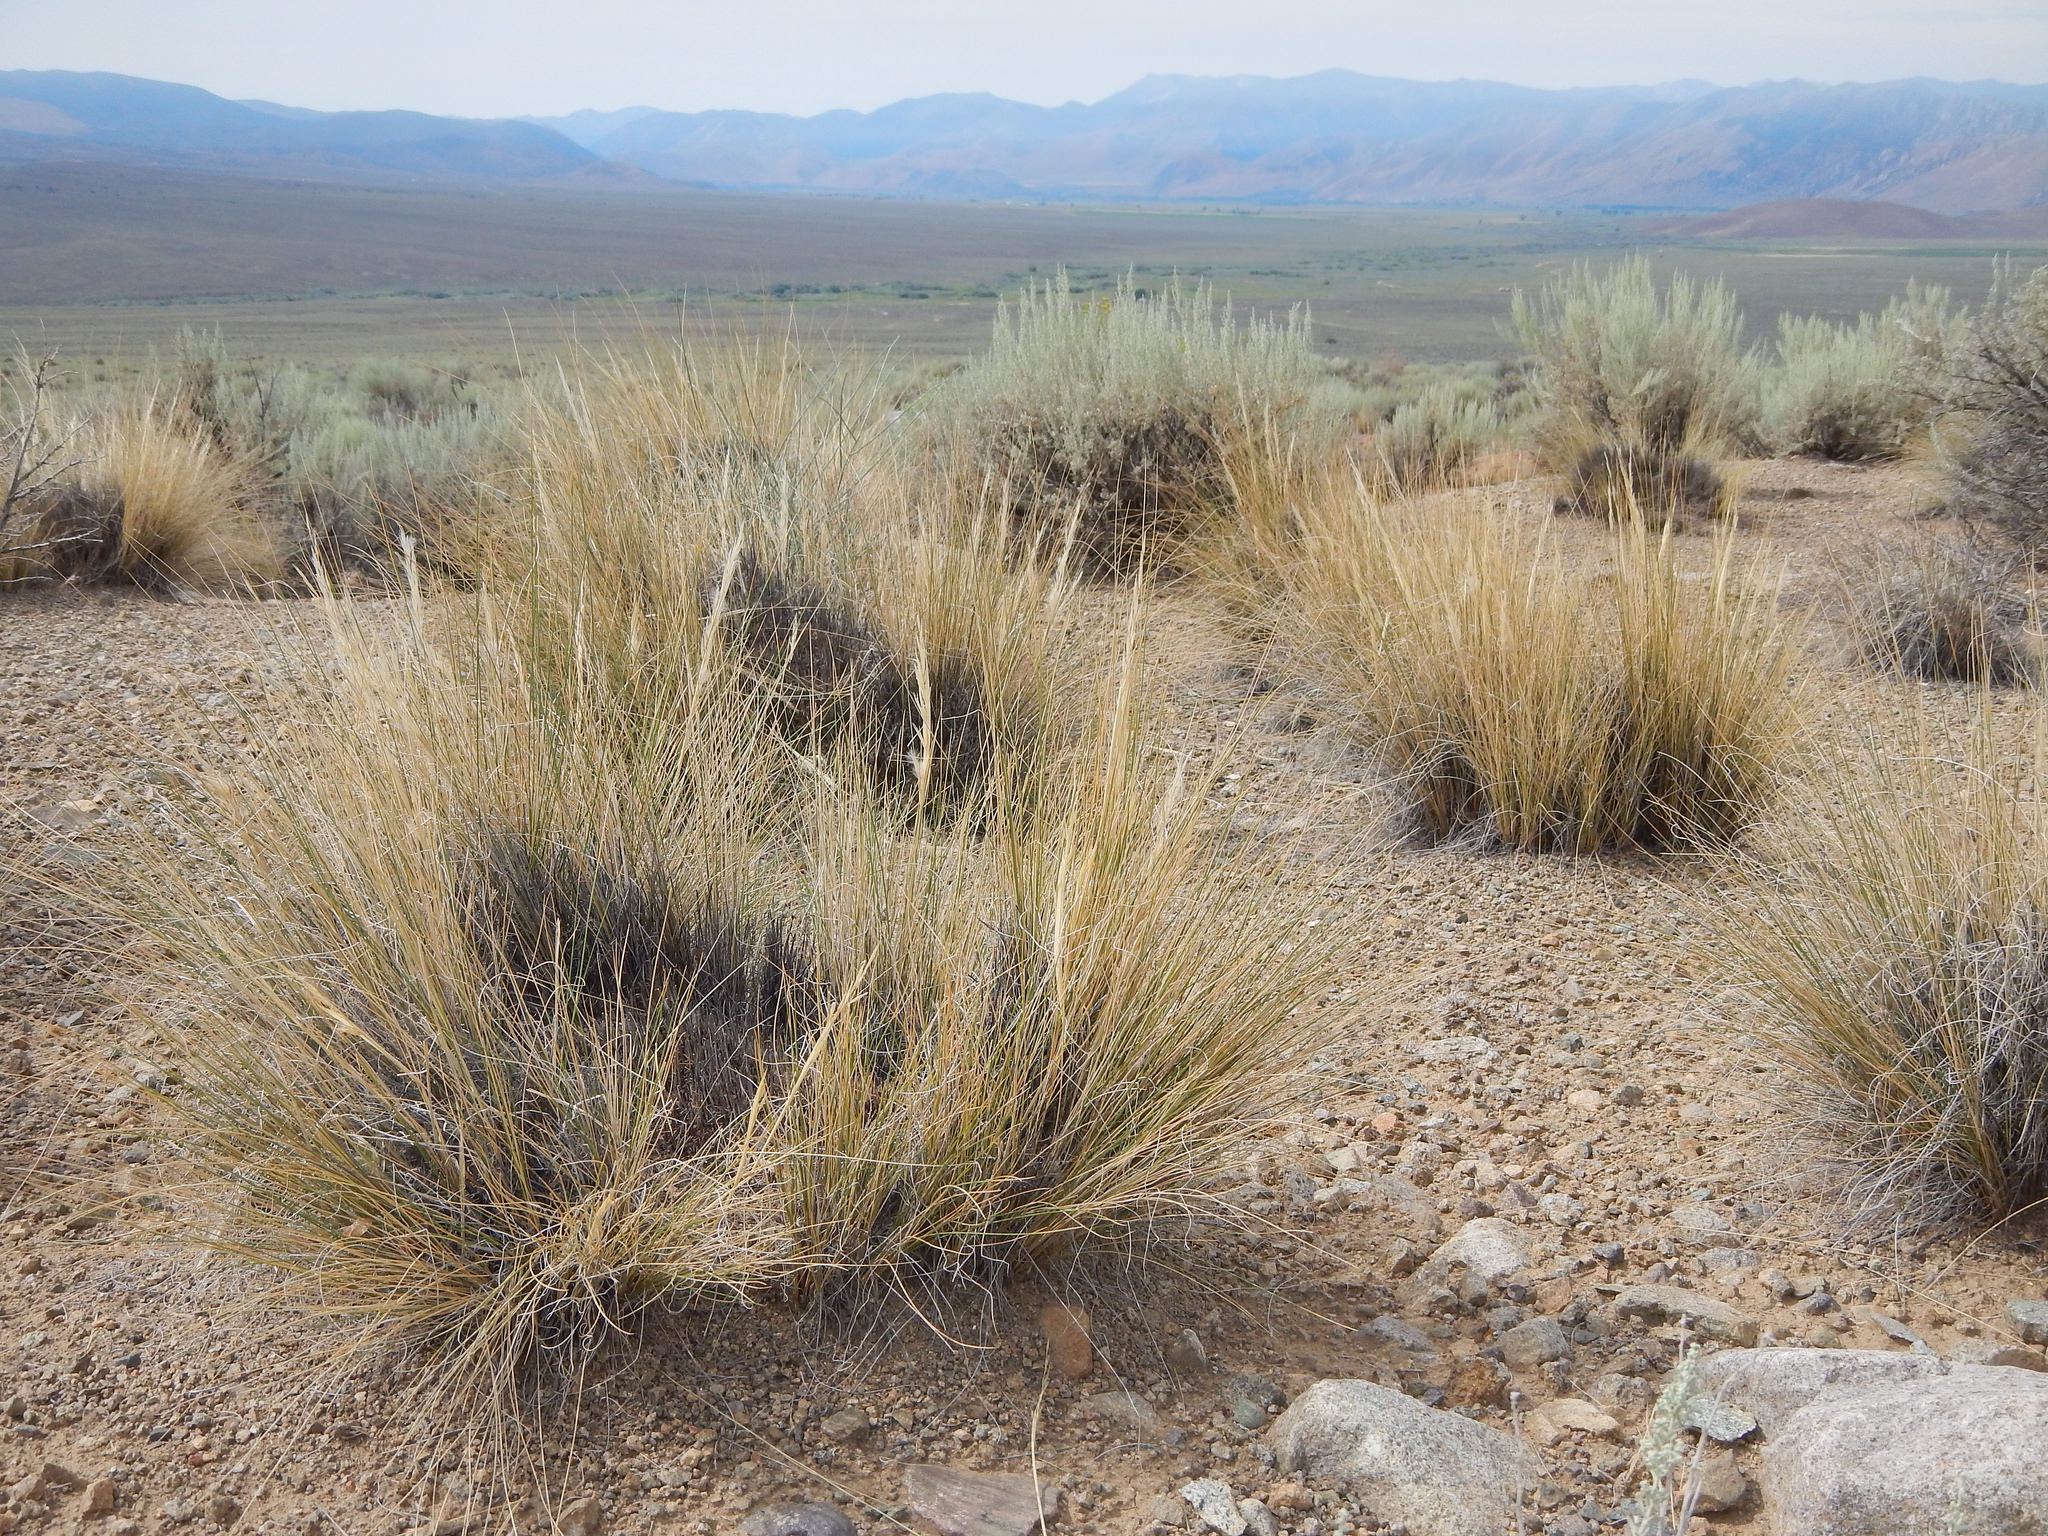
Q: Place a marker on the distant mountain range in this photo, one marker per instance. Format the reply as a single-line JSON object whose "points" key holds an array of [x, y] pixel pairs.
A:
{"points": [[1333, 137], [1338, 137]]}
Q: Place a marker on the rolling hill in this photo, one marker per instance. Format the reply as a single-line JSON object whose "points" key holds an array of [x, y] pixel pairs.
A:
{"points": [[117, 119]]}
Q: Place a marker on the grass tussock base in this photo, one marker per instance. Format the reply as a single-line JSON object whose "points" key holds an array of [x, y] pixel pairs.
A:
{"points": [[923, 727], [1518, 702], [1674, 488], [1947, 611], [1897, 967]]}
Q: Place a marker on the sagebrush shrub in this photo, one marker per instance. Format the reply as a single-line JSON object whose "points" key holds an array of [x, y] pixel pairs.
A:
{"points": [[1995, 411], [348, 462], [35, 452], [1858, 390], [68, 532], [1102, 417], [1432, 438], [1648, 376]]}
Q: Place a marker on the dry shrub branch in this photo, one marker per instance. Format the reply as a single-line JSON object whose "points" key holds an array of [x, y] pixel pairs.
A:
{"points": [[1994, 428]]}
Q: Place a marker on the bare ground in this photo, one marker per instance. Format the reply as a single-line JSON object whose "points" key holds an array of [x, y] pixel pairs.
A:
{"points": [[1611, 1073]]}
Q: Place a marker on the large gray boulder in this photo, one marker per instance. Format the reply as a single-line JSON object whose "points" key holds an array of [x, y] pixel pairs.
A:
{"points": [[1773, 1384], [1867, 1442], [1437, 1473], [1962, 1454]]}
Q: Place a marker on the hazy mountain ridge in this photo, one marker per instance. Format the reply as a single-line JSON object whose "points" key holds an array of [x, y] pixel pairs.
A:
{"points": [[1342, 137], [1331, 137]]}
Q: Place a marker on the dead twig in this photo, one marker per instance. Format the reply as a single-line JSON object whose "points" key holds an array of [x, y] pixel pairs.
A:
{"points": [[34, 457]]}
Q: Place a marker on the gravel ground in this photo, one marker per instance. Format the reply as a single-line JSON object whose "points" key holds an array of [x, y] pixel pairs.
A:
{"points": [[1544, 1042]]}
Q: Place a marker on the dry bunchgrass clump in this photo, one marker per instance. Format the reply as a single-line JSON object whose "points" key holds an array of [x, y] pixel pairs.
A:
{"points": [[1516, 700], [1896, 956], [1059, 1024], [500, 1027], [1101, 419], [150, 502], [1281, 487], [1638, 388], [474, 999], [1607, 481], [543, 967], [1946, 611], [676, 521], [183, 515]]}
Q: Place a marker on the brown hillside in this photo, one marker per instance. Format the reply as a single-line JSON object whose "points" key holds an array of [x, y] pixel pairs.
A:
{"points": [[1826, 218], [1837, 218]]}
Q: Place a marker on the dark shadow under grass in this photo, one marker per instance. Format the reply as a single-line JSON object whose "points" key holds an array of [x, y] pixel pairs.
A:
{"points": [[829, 680]]}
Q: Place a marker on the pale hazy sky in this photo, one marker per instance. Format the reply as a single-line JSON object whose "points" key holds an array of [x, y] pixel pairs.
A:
{"points": [[501, 57]]}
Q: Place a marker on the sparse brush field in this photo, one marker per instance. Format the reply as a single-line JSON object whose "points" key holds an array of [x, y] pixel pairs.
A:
{"points": [[696, 929]]}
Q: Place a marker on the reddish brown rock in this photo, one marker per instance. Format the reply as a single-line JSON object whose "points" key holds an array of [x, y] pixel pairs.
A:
{"points": [[1478, 1383], [1067, 1343]]}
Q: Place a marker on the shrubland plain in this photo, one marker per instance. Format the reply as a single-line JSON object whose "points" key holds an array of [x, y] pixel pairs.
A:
{"points": [[116, 264], [961, 887]]}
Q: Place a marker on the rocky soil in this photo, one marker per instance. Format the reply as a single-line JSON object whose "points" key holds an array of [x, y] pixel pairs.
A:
{"points": [[1441, 1296]]}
